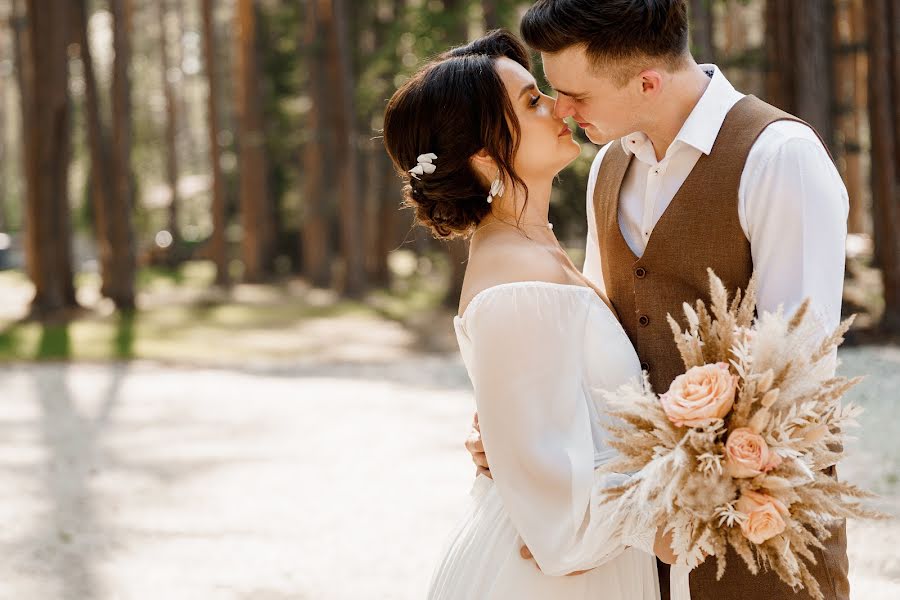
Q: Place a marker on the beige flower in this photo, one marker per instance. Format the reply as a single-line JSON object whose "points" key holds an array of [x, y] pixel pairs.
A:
{"points": [[748, 455], [703, 393], [747, 333], [815, 434], [765, 516]]}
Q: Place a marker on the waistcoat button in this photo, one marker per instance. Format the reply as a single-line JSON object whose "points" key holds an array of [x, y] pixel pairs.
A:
{"points": [[640, 272], [644, 320], [645, 367]]}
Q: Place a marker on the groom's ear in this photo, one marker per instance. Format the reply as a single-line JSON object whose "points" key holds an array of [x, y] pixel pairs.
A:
{"points": [[651, 82]]}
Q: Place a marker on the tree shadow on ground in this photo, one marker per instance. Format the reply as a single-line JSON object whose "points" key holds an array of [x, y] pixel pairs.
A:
{"points": [[54, 339]]}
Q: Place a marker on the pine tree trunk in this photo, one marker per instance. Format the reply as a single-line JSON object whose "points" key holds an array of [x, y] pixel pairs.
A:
{"points": [[189, 144], [340, 70], [19, 23], [47, 140], [884, 126], [218, 249], [383, 179], [171, 149], [102, 185], [492, 19], [799, 60], [4, 181], [388, 218], [318, 156], [18, 26], [849, 35], [120, 285], [735, 28], [779, 54], [702, 31], [255, 203], [457, 249]]}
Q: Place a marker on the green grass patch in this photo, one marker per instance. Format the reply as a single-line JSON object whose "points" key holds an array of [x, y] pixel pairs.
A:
{"points": [[182, 319]]}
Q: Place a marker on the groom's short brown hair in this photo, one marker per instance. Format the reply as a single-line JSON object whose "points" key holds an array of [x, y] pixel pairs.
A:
{"points": [[610, 31]]}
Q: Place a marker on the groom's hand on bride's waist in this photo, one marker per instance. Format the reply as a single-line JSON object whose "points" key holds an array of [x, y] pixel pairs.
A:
{"points": [[525, 553], [476, 449]]}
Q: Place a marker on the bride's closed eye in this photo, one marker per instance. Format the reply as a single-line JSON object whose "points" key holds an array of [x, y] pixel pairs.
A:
{"points": [[535, 99]]}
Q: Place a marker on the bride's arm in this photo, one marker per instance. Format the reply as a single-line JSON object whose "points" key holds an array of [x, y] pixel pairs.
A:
{"points": [[527, 361]]}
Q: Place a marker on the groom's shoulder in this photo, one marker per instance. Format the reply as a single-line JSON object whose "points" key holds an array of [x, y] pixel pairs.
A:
{"points": [[787, 140], [782, 132]]}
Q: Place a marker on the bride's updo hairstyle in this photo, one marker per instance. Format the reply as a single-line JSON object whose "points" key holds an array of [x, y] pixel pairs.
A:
{"points": [[454, 107]]}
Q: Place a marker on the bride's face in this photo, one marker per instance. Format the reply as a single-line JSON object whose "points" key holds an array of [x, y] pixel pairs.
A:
{"points": [[546, 144]]}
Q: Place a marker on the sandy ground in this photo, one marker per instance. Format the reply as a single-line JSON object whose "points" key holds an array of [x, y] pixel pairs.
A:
{"points": [[140, 481]]}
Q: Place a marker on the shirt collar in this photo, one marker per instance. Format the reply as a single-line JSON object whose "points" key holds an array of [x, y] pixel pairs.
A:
{"points": [[703, 124]]}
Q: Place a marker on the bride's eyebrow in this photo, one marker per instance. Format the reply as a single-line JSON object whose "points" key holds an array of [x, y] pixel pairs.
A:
{"points": [[527, 88]]}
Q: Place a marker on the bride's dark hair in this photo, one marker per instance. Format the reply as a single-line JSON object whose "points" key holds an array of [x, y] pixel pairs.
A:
{"points": [[454, 107]]}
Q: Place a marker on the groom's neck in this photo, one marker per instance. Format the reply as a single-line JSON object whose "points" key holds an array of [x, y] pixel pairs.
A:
{"points": [[675, 105]]}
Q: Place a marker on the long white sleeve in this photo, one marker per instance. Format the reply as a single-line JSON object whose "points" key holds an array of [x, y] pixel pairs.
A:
{"points": [[593, 268], [794, 210], [527, 369]]}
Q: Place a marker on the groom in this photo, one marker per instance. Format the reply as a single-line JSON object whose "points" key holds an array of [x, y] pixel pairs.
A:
{"points": [[693, 174]]}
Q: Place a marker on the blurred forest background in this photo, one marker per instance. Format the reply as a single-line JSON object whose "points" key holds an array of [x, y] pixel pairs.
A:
{"points": [[174, 170]]}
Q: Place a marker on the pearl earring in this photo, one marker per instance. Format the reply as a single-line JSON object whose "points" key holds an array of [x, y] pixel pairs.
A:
{"points": [[497, 188]]}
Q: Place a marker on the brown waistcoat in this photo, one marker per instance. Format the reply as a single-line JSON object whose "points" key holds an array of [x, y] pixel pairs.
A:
{"points": [[699, 229]]}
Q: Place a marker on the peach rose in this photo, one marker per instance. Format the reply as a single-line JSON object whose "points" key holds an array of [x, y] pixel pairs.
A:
{"points": [[748, 455], [765, 516], [703, 393]]}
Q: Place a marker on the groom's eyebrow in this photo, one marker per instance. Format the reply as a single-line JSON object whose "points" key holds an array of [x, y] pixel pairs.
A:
{"points": [[569, 94]]}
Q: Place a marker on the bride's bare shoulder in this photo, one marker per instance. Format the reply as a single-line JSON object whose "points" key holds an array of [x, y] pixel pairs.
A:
{"points": [[507, 258]]}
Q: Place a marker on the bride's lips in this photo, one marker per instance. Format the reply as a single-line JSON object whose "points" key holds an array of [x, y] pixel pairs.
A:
{"points": [[584, 125], [564, 131]]}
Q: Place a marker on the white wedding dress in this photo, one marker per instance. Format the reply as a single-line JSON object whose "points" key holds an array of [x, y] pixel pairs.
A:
{"points": [[538, 355]]}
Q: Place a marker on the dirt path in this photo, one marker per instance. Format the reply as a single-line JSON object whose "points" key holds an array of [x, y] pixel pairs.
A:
{"points": [[138, 481]]}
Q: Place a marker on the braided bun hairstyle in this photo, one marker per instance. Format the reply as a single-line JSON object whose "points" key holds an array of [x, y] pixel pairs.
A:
{"points": [[454, 107]]}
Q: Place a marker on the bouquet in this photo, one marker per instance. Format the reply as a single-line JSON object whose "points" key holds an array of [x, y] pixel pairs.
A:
{"points": [[733, 453]]}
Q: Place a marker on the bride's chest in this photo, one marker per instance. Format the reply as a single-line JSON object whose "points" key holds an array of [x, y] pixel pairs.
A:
{"points": [[609, 357]]}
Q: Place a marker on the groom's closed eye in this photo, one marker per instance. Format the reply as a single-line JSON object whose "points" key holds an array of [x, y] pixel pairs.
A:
{"points": [[574, 96], [577, 99]]}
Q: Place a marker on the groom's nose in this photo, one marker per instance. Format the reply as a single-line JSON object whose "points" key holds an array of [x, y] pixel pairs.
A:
{"points": [[563, 107]]}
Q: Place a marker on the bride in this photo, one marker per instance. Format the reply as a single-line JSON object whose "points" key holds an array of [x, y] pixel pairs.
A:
{"points": [[479, 148]]}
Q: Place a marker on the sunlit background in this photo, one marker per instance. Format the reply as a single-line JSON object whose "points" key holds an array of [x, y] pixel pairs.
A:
{"points": [[227, 363]]}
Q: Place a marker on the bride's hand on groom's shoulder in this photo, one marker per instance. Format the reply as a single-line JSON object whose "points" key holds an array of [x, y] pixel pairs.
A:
{"points": [[476, 449]]}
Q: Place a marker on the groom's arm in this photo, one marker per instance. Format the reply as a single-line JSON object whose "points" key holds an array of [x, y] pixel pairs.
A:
{"points": [[793, 208], [592, 268]]}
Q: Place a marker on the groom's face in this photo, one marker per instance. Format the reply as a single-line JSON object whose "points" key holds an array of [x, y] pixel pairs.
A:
{"points": [[605, 110]]}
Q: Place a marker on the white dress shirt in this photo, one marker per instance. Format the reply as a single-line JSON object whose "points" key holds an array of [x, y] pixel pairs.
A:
{"points": [[792, 203]]}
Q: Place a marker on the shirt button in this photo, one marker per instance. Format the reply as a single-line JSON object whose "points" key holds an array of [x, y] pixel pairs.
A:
{"points": [[640, 272], [645, 367], [644, 320]]}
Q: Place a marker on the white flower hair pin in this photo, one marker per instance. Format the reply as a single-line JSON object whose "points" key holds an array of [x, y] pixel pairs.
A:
{"points": [[425, 165]]}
